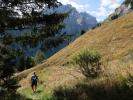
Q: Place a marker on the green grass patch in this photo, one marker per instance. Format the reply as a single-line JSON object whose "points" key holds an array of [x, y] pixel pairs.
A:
{"points": [[41, 94]]}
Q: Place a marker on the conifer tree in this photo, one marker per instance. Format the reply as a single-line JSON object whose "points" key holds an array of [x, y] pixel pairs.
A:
{"points": [[7, 68], [28, 14], [21, 15], [39, 57]]}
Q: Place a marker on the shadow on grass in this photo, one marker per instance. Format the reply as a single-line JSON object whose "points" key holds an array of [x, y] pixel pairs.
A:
{"points": [[39, 91], [91, 92], [9, 91], [12, 96]]}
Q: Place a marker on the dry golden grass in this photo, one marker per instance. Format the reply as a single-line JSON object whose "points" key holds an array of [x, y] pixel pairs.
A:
{"points": [[54, 76], [114, 40]]}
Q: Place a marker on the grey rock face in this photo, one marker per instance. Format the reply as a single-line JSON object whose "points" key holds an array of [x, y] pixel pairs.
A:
{"points": [[125, 8], [76, 21]]}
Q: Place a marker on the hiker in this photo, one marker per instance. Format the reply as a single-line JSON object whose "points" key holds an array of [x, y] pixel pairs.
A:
{"points": [[34, 81]]}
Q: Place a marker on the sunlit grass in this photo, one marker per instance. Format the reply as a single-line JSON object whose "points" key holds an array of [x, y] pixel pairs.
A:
{"points": [[41, 94]]}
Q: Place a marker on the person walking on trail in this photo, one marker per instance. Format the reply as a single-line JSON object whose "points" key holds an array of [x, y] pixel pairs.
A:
{"points": [[34, 81]]}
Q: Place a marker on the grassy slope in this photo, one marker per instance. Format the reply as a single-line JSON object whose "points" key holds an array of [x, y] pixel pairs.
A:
{"points": [[114, 40]]}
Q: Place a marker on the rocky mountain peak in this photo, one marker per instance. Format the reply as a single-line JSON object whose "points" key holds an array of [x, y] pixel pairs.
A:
{"points": [[76, 21]]}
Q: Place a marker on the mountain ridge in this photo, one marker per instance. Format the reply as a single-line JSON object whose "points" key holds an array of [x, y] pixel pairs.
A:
{"points": [[125, 8], [76, 21]]}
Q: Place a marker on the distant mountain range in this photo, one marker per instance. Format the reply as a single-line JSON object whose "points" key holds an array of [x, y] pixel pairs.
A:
{"points": [[76, 21]]}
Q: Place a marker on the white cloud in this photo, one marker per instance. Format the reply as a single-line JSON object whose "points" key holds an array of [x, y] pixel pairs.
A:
{"points": [[65, 1], [107, 7], [79, 7], [102, 11], [107, 2], [114, 6], [111, 4]]}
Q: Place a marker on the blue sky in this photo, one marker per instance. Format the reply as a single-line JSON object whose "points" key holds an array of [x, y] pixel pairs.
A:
{"points": [[98, 8]]}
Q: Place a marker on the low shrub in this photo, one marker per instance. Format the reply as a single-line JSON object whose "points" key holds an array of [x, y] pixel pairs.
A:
{"points": [[115, 16], [89, 62]]}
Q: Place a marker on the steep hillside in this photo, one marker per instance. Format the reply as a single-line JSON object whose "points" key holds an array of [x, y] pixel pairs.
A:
{"points": [[114, 40]]}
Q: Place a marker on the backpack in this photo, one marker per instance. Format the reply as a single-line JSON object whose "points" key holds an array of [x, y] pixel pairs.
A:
{"points": [[34, 78]]}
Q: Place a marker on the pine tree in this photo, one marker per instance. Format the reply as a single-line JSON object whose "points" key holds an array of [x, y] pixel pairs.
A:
{"points": [[21, 64], [26, 14], [44, 27], [39, 57], [7, 68], [6, 63], [30, 62]]}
